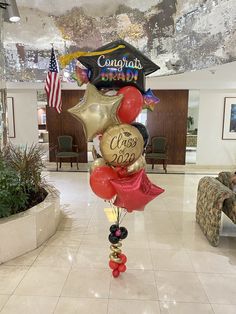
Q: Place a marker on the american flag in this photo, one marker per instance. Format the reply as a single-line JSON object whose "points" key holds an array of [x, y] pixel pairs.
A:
{"points": [[53, 84]]}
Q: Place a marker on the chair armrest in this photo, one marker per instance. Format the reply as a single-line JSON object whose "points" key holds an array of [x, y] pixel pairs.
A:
{"points": [[210, 196], [213, 191], [148, 149]]}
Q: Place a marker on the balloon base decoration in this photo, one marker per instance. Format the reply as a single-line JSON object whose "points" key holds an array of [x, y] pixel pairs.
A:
{"points": [[117, 259], [119, 177]]}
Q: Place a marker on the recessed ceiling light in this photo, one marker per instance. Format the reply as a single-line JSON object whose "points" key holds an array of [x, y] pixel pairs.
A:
{"points": [[12, 12]]}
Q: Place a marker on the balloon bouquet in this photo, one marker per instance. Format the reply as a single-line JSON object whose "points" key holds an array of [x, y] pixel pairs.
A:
{"points": [[118, 176]]}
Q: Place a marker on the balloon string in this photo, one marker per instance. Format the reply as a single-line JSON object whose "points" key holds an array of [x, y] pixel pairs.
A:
{"points": [[118, 212], [114, 210], [118, 215], [66, 59], [123, 217]]}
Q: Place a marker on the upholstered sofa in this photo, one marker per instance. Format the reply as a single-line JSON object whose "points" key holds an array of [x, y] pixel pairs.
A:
{"points": [[214, 196]]}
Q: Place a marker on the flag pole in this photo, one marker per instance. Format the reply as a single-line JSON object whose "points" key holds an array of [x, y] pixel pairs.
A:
{"points": [[53, 83]]}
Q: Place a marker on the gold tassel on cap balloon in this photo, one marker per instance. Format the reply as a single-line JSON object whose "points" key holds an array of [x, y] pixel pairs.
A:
{"points": [[66, 59]]}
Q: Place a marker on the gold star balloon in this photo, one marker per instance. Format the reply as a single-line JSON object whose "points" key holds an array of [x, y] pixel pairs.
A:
{"points": [[96, 111]]}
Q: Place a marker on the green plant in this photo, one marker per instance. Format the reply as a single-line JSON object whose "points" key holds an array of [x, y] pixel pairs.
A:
{"points": [[190, 121], [27, 162], [21, 182], [12, 195]]}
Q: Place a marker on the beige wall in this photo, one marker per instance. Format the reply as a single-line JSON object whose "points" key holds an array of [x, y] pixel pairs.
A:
{"points": [[211, 149], [26, 124]]}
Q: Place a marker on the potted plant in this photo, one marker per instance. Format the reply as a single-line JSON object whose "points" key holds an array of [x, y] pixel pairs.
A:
{"points": [[29, 206], [21, 183], [190, 121]]}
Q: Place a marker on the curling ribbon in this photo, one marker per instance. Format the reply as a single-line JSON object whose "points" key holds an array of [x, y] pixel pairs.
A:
{"points": [[115, 248], [66, 59]]}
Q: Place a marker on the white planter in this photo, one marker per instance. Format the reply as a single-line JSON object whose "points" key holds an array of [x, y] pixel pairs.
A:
{"points": [[26, 231]]}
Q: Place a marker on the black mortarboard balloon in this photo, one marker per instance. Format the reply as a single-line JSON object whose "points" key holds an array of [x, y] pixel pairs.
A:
{"points": [[143, 130], [122, 67]]}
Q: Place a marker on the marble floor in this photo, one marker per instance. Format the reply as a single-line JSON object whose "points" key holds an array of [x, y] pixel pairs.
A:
{"points": [[171, 267]]}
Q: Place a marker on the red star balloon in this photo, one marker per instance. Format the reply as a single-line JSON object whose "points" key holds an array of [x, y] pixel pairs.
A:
{"points": [[135, 191]]}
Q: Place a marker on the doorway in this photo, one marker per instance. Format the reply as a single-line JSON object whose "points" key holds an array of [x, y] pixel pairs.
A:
{"points": [[192, 127], [42, 122]]}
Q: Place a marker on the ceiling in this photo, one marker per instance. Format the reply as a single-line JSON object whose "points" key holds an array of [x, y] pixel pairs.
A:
{"points": [[178, 35], [91, 7]]}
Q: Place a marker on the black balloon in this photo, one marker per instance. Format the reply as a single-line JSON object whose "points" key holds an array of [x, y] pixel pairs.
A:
{"points": [[113, 239], [143, 130], [125, 66], [124, 233], [113, 228]]}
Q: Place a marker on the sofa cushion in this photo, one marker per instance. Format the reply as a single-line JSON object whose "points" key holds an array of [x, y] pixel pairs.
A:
{"points": [[229, 207], [225, 178]]}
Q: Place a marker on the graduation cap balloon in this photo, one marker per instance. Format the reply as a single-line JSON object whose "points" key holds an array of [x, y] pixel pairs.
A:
{"points": [[125, 66]]}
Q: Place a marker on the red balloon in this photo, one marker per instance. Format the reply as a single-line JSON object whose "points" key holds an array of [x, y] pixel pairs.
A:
{"points": [[113, 265], [135, 191], [122, 268], [100, 182], [123, 258], [121, 171], [115, 273], [131, 104]]}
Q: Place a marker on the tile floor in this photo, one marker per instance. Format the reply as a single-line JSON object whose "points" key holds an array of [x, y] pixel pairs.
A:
{"points": [[171, 267]]}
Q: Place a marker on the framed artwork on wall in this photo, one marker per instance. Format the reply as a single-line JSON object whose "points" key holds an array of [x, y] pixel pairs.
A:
{"points": [[229, 119], [10, 118]]}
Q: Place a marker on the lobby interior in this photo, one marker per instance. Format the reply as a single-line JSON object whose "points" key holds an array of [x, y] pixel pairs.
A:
{"points": [[171, 266]]}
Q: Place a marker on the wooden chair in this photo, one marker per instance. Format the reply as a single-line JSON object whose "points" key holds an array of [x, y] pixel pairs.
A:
{"points": [[65, 150], [158, 151]]}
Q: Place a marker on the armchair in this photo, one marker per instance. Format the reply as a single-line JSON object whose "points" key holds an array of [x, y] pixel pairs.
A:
{"points": [[215, 196], [158, 151], [65, 150]]}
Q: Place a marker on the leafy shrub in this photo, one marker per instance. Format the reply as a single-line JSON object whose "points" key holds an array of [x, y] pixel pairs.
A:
{"points": [[21, 183], [12, 195]]}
